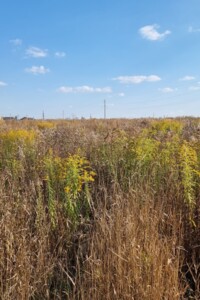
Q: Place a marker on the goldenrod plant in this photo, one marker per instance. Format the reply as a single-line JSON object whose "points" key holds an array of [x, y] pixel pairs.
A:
{"points": [[77, 176], [67, 182], [190, 174], [42, 125]]}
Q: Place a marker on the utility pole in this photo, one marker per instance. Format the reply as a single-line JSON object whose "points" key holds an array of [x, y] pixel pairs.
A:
{"points": [[43, 115], [104, 109]]}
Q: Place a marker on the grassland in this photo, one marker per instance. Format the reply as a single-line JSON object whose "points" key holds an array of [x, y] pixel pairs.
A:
{"points": [[100, 209]]}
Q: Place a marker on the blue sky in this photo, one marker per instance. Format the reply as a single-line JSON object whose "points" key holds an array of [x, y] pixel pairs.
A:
{"points": [[67, 56]]}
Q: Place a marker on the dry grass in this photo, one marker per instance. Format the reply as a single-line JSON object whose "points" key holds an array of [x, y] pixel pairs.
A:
{"points": [[130, 257], [133, 233]]}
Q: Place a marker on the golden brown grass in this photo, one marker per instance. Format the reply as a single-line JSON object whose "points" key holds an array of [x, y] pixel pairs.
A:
{"points": [[133, 233]]}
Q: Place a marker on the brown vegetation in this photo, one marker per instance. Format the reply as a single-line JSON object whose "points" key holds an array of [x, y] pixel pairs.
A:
{"points": [[100, 209]]}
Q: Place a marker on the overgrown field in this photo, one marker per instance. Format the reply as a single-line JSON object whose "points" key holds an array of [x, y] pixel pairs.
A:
{"points": [[100, 209]]}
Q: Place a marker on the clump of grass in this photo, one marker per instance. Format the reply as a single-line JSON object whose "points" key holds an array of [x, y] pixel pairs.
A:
{"points": [[130, 257]]}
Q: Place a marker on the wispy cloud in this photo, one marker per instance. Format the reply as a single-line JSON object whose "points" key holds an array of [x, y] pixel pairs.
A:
{"points": [[150, 32], [187, 78], [2, 84], [16, 42], [36, 52], [167, 90], [137, 79], [121, 95], [60, 54], [84, 89], [194, 88], [37, 70], [192, 30]]}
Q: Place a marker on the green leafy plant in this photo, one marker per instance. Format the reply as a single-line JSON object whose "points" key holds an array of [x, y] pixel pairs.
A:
{"points": [[67, 181]]}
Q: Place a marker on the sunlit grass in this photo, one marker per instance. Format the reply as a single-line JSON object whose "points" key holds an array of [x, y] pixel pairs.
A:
{"points": [[94, 209]]}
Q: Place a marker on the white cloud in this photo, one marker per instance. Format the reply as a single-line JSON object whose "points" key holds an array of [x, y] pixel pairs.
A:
{"points": [[16, 42], [37, 70], [36, 52], [194, 88], [84, 89], [65, 89], [110, 104], [187, 78], [2, 84], [121, 94], [137, 79], [60, 54], [191, 29], [151, 33], [167, 90]]}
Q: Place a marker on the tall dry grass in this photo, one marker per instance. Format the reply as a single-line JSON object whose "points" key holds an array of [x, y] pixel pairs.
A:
{"points": [[130, 254], [132, 233]]}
